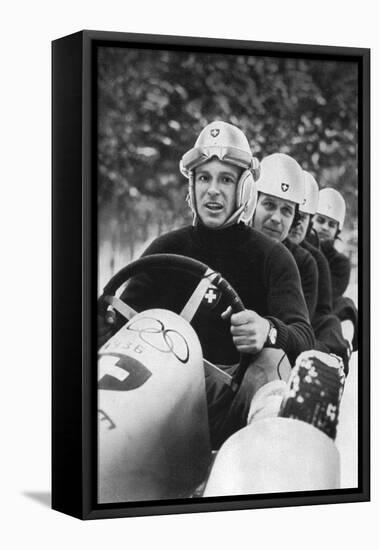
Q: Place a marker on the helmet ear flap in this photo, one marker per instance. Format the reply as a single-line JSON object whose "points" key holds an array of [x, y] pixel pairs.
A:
{"points": [[190, 198], [255, 168], [246, 196], [183, 170]]}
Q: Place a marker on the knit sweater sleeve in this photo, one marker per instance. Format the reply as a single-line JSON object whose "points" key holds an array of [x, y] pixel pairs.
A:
{"points": [[324, 304], [340, 269], [309, 282], [286, 304], [324, 298], [340, 273]]}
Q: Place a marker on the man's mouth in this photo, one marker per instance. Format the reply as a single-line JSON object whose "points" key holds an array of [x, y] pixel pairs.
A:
{"points": [[271, 230], [213, 206], [324, 235]]}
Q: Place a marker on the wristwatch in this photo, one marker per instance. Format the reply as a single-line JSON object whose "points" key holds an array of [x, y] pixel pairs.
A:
{"points": [[272, 335]]}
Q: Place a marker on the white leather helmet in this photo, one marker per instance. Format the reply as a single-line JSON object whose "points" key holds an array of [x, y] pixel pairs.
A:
{"points": [[311, 193], [229, 144], [281, 176], [332, 204]]}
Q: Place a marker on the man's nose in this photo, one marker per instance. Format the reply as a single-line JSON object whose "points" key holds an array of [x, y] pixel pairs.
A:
{"points": [[275, 217], [213, 188]]}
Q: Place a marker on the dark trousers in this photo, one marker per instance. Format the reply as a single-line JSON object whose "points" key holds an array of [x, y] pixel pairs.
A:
{"points": [[228, 409], [330, 339]]}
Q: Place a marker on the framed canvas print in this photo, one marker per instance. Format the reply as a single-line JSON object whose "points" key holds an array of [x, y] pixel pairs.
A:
{"points": [[210, 275]]}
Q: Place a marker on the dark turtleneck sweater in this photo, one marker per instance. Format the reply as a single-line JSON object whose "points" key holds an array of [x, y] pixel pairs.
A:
{"points": [[307, 267], [339, 266], [262, 272], [324, 300], [326, 325]]}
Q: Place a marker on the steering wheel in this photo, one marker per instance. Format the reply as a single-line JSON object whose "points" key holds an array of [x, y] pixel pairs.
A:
{"points": [[179, 263]]}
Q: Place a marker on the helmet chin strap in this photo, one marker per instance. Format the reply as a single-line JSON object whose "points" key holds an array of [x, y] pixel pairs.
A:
{"points": [[234, 218]]}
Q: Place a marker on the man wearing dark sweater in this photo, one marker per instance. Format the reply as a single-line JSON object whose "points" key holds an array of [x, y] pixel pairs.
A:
{"points": [[222, 196], [262, 271], [326, 325], [277, 212], [328, 223]]}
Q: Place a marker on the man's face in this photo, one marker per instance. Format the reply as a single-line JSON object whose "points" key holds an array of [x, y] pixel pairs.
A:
{"points": [[215, 192], [297, 233], [274, 216], [325, 227]]}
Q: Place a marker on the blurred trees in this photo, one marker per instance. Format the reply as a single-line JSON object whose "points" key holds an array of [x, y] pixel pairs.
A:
{"points": [[152, 104]]}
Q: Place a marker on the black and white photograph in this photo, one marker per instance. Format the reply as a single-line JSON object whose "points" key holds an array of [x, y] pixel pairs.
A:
{"points": [[228, 191]]}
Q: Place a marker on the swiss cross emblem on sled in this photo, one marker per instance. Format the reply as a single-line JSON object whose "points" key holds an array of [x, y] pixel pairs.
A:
{"points": [[211, 297]]}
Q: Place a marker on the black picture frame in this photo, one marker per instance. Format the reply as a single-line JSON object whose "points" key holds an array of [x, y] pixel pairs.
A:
{"points": [[74, 203]]}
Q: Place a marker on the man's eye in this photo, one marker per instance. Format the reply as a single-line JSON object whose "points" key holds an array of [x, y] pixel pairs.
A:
{"points": [[268, 205], [287, 212], [201, 177], [227, 179]]}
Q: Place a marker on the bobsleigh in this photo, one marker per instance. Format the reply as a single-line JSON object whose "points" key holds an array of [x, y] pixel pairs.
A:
{"points": [[153, 433]]}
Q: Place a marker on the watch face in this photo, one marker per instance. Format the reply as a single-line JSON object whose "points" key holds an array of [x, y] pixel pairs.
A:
{"points": [[272, 335]]}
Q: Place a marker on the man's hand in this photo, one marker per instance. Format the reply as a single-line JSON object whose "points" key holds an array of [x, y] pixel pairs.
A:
{"points": [[249, 330]]}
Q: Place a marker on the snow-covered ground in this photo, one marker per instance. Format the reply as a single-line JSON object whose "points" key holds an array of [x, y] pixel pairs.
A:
{"points": [[347, 434]]}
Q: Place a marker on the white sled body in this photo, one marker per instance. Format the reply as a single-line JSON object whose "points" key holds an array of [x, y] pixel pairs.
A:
{"points": [[274, 455], [153, 440]]}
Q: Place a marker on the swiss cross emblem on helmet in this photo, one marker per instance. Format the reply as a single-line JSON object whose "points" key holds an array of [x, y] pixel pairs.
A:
{"points": [[285, 187], [215, 132], [211, 297]]}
